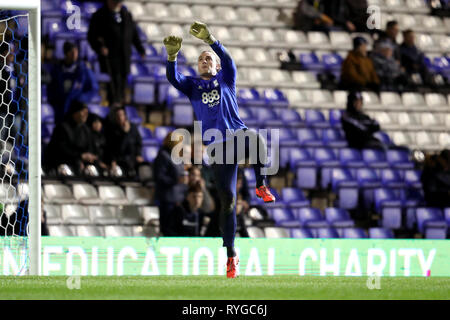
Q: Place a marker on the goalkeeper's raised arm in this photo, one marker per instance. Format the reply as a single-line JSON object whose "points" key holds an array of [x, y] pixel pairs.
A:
{"points": [[226, 64], [178, 80]]}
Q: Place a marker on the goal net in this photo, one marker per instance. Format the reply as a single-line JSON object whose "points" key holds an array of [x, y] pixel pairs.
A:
{"points": [[16, 231]]}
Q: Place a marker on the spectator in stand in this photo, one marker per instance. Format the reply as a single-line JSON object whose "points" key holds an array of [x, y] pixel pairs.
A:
{"points": [[95, 124], [123, 143], [170, 184], [389, 71], [412, 59], [350, 15], [70, 80], [71, 141], [436, 180], [111, 33], [310, 16], [188, 217], [358, 72], [390, 35], [195, 176], [359, 127]]}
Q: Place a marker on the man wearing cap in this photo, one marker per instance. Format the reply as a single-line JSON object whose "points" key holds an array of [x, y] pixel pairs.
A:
{"points": [[358, 72], [70, 80], [71, 141], [359, 127], [387, 68]]}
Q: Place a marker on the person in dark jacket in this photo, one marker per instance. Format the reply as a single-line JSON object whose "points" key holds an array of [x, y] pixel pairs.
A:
{"points": [[359, 127], [187, 218], [71, 141], [170, 184], [95, 124], [70, 80], [111, 34], [436, 180], [123, 142], [310, 16], [412, 59]]}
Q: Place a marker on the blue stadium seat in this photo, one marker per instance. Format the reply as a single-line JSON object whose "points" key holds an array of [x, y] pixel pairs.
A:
{"points": [[275, 98], [102, 112], [315, 118], [161, 132], [339, 218], [305, 166], [301, 233], [353, 233], [332, 61], [149, 153], [391, 178], [326, 233], [327, 161], [367, 182], [294, 198], [283, 217], [88, 8], [286, 137], [183, 115], [389, 206], [380, 233], [133, 115], [144, 92], [431, 223], [147, 137], [250, 97], [345, 187], [52, 26], [334, 117], [308, 137], [375, 158], [290, 117], [169, 95], [399, 159], [311, 218], [310, 61], [351, 158], [159, 73], [334, 138], [412, 178], [248, 117], [266, 117], [383, 137]]}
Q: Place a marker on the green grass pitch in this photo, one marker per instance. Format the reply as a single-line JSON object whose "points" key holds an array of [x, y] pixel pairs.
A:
{"points": [[218, 287]]}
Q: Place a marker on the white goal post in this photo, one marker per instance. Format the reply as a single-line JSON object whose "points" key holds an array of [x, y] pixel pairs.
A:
{"points": [[33, 7]]}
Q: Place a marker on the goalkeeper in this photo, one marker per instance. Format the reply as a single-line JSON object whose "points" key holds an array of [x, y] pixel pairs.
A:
{"points": [[213, 97]]}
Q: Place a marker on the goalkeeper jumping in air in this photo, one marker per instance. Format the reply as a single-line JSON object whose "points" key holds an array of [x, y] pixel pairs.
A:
{"points": [[213, 97]]}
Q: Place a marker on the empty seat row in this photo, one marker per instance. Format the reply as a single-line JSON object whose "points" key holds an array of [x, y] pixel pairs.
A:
{"points": [[75, 214], [327, 232], [85, 193], [386, 101], [96, 231]]}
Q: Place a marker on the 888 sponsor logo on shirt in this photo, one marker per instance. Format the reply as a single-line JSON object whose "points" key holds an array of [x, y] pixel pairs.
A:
{"points": [[211, 98]]}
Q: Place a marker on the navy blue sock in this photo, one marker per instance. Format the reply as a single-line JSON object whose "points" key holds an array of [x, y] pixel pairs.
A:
{"points": [[230, 252]]}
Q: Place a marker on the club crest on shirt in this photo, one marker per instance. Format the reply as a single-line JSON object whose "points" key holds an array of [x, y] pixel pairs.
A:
{"points": [[215, 83]]}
